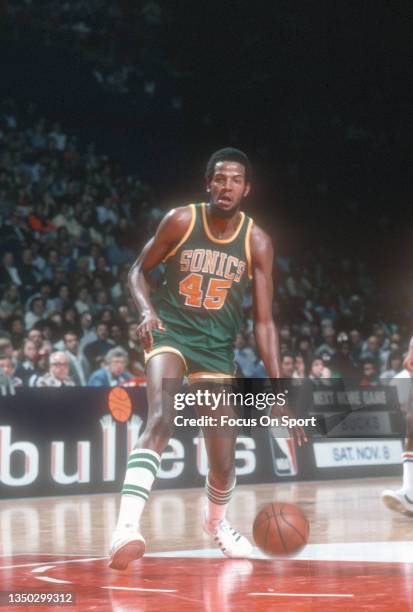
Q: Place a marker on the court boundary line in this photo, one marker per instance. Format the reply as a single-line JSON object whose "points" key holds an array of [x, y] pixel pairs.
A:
{"points": [[302, 594], [61, 562]]}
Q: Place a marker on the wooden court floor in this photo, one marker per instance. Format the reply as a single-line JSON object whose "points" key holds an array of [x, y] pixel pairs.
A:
{"points": [[359, 556]]}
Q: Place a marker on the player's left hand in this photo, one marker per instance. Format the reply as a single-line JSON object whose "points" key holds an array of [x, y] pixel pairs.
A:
{"points": [[297, 433]]}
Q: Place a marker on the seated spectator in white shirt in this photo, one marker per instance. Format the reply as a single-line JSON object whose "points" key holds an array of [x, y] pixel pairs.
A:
{"points": [[58, 374], [394, 366]]}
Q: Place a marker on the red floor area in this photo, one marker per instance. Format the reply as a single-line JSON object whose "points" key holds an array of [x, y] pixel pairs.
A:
{"points": [[213, 585]]}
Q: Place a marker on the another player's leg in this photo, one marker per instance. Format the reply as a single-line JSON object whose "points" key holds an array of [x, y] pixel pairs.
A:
{"points": [[219, 486], [401, 500], [127, 543]]}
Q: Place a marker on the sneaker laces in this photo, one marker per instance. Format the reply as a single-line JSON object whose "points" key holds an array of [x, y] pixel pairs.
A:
{"points": [[224, 526]]}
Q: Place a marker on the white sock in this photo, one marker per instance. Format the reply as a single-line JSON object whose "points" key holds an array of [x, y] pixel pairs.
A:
{"points": [[408, 473], [140, 474], [217, 501]]}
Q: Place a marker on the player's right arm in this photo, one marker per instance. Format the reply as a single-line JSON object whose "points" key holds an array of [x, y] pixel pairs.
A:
{"points": [[408, 362], [171, 230]]}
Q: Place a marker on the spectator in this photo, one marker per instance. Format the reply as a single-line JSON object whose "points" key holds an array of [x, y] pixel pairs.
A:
{"points": [[103, 272], [36, 336], [287, 365], [394, 366], [6, 364], [42, 366], [35, 313], [246, 356], [39, 222], [8, 271], [27, 272], [328, 345], [28, 362], [116, 335], [300, 369], [114, 371], [371, 351], [96, 351], [10, 303], [58, 374], [6, 347], [355, 345], [77, 362], [87, 331], [62, 300], [370, 377], [318, 370], [15, 326], [342, 363], [84, 300]]}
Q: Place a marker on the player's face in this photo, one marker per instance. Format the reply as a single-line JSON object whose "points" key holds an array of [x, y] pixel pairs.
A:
{"points": [[227, 187]]}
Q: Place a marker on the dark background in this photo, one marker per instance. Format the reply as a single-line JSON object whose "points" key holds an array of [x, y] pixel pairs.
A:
{"points": [[317, 93]]}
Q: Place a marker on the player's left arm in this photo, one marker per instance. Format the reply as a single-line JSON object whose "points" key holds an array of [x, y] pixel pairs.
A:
{"points": [[408, 361], [266, 333]]}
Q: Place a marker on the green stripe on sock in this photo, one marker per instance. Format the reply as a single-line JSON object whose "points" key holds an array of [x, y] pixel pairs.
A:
{"points": [[143, 455], [218, 491], [136, 488], [220, 497], [126, 491], [142, 464], [222, 494], [219, 501]]}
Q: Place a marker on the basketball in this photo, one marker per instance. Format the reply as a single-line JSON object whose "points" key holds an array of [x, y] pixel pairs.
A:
{"points": [[120, 404], [281, 529]]}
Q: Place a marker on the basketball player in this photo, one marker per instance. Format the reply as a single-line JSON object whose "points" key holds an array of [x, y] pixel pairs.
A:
{"points": [[401, 500], [210, 251]]}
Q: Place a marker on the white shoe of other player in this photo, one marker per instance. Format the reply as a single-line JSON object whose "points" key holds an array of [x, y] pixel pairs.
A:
{"points": [[398, 501], [232, 543], [127, 545]]}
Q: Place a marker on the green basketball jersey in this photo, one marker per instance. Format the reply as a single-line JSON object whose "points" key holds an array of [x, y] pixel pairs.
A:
{"points": [[205, 280]]}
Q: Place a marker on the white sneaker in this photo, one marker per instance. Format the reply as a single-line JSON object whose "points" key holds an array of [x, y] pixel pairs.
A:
{"points": [[398, 501], [127, 545], [232, 543]]}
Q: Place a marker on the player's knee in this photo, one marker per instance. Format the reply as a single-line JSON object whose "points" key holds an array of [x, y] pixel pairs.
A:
{"points": [[160, 425]]}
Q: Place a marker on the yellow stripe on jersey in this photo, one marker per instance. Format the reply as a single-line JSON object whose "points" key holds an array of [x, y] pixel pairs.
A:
{"points": [[164, 349], [220, 240], [248, 247], [196, 376], [185, 236]]}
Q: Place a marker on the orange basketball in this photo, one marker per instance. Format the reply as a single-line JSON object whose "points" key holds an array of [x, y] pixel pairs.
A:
{"points": [[119, 404], [281, 529]]}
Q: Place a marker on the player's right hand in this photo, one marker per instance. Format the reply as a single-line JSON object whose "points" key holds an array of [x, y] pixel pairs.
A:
{"points": [[144, 331]]}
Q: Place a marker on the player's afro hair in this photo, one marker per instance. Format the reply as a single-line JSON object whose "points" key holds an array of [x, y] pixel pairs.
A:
{"points": [[228, 154]]}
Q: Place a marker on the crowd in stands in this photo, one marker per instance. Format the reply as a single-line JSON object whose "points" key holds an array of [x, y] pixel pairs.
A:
{"points": [[70, 226], [110, 34]]}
